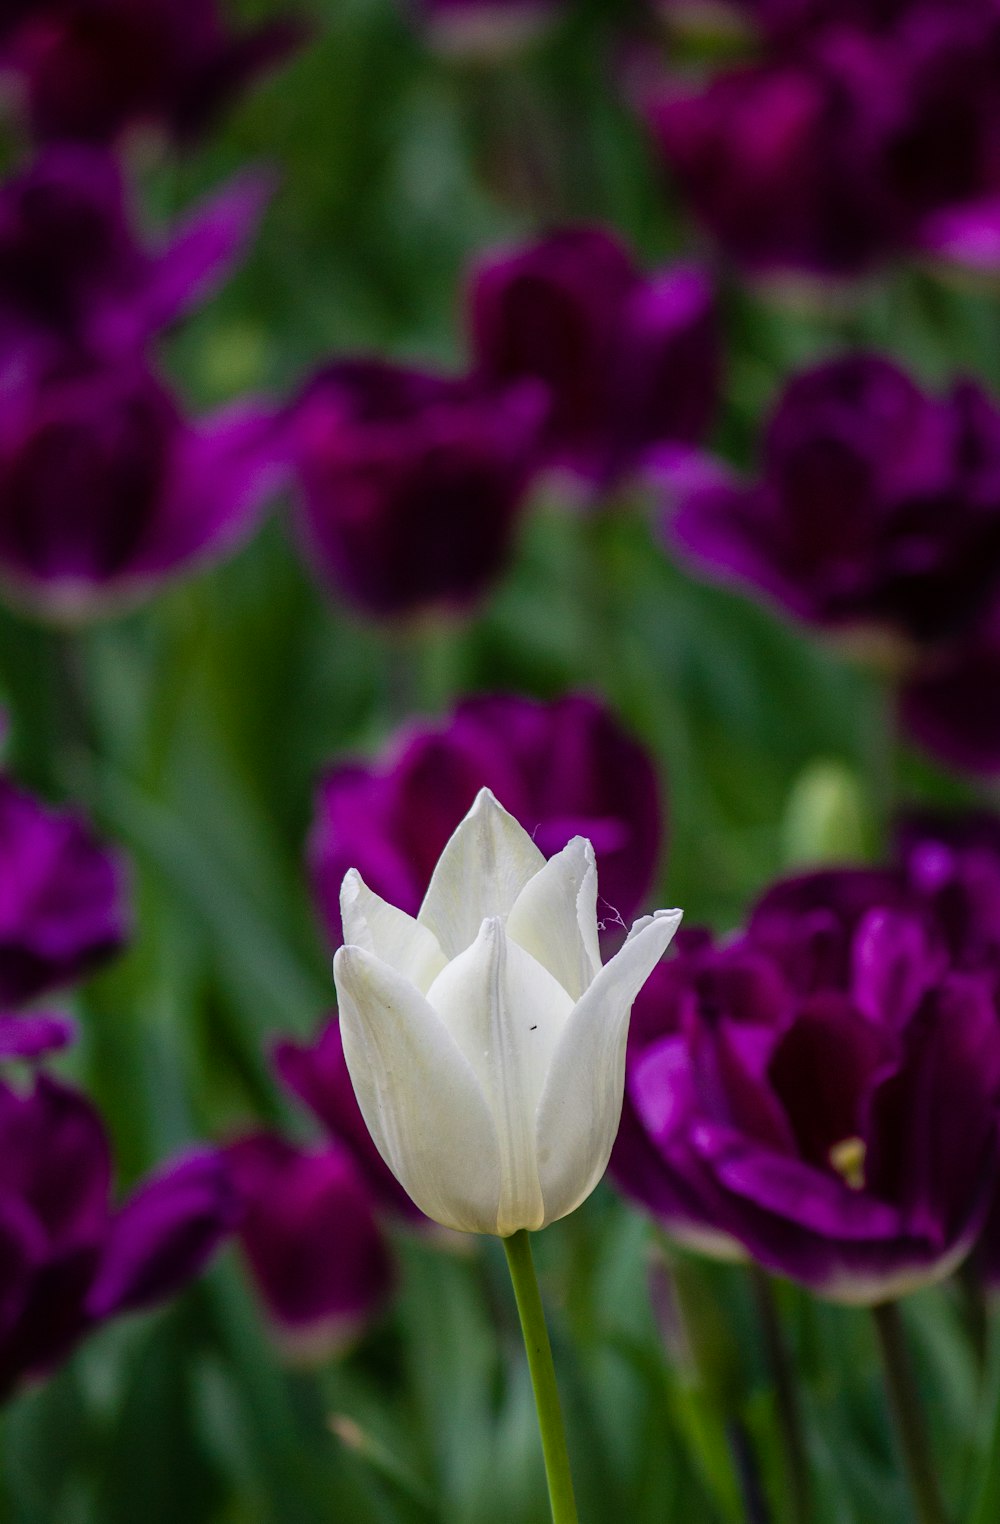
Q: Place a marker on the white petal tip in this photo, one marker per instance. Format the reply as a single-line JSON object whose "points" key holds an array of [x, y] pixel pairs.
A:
{"points": [[351, 887], [672, 918], [485, 800]]}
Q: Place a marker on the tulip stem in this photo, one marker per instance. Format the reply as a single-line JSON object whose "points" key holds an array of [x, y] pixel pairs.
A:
{"points": [[543, 1377], [786, 1396], [906, 1415]]}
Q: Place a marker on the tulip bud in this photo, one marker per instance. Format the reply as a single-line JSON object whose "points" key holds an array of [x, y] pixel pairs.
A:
{"points": [[485, 1042]]}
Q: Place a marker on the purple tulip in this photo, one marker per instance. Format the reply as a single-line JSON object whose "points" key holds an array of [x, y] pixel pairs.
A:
{"points": [[951, 862], [411, 484], [845, 141], [62, 900], [562, 769], [74, 277], [948, 704], [312, 1227], [105, 488], [90, 69], [71, 1260], [828, 1106], [630, 361], [317, 1254], [876, 507]]}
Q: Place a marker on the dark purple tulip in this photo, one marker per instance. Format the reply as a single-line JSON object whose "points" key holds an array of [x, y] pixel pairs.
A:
{"points": [[562, 769], [844, 1135], [75, 279], [876, 507], [949, 704], [62, 898], [952, 864], [411, 484], [68, 1259], [312, 1225], [630, 360], [315, 1249], [90, 69], [105, 488], [837, 151], [781, 159]]}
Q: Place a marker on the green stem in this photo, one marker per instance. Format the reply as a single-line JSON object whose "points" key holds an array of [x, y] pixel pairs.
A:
{"points": [[543, 1377], [906, 1414], [786, 1396]]}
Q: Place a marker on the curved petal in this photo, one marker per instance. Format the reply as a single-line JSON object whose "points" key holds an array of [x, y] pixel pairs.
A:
{"points": [[581, 1104], [418, 1094], [392, 935], [507, 1014], [482, 870], [554, 918]]}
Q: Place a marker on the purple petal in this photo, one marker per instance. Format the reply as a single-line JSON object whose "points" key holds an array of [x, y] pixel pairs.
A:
{"points": [[35, 1035], [967, 235], [57, 1161], [314, 1249], [164, 1235], [207, 247]]}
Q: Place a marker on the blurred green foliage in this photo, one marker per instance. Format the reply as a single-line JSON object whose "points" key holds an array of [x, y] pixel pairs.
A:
{"points": [[195, 728]]}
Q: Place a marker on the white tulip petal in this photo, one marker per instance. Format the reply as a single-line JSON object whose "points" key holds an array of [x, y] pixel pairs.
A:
{"points": [[480, 873], [581, 1104], [392, 935], [418, 1095], [507, 1014], [554, 918]]}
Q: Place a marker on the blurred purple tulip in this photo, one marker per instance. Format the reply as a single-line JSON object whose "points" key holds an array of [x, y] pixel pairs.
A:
{"points": [[76, 280], [630, 361], [952, 861], [312, 1227], [90, 69], [948, 704], [562, 769], [69, 1260], [62, 901], [317, 1254], [876, 507], [842, 1131], [411, 484], [846, 140], [105, 488]]}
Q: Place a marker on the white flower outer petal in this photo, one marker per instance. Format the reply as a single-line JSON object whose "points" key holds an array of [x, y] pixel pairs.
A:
{"points": [[482, 870], [554, 918], [507, 1014], [582, 1101], [392, 935], [418, 1095]]}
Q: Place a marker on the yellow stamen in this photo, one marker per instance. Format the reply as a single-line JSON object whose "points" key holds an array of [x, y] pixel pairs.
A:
{"points": [[848, 1159]]}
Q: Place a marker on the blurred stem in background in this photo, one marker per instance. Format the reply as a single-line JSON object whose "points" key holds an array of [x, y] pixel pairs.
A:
{"points": [[702, 1340], [906, 1415], [543, 1377], [782, 1374]]}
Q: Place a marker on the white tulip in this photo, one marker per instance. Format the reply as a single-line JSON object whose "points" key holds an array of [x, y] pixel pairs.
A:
{"points": [[485, 1042]]}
